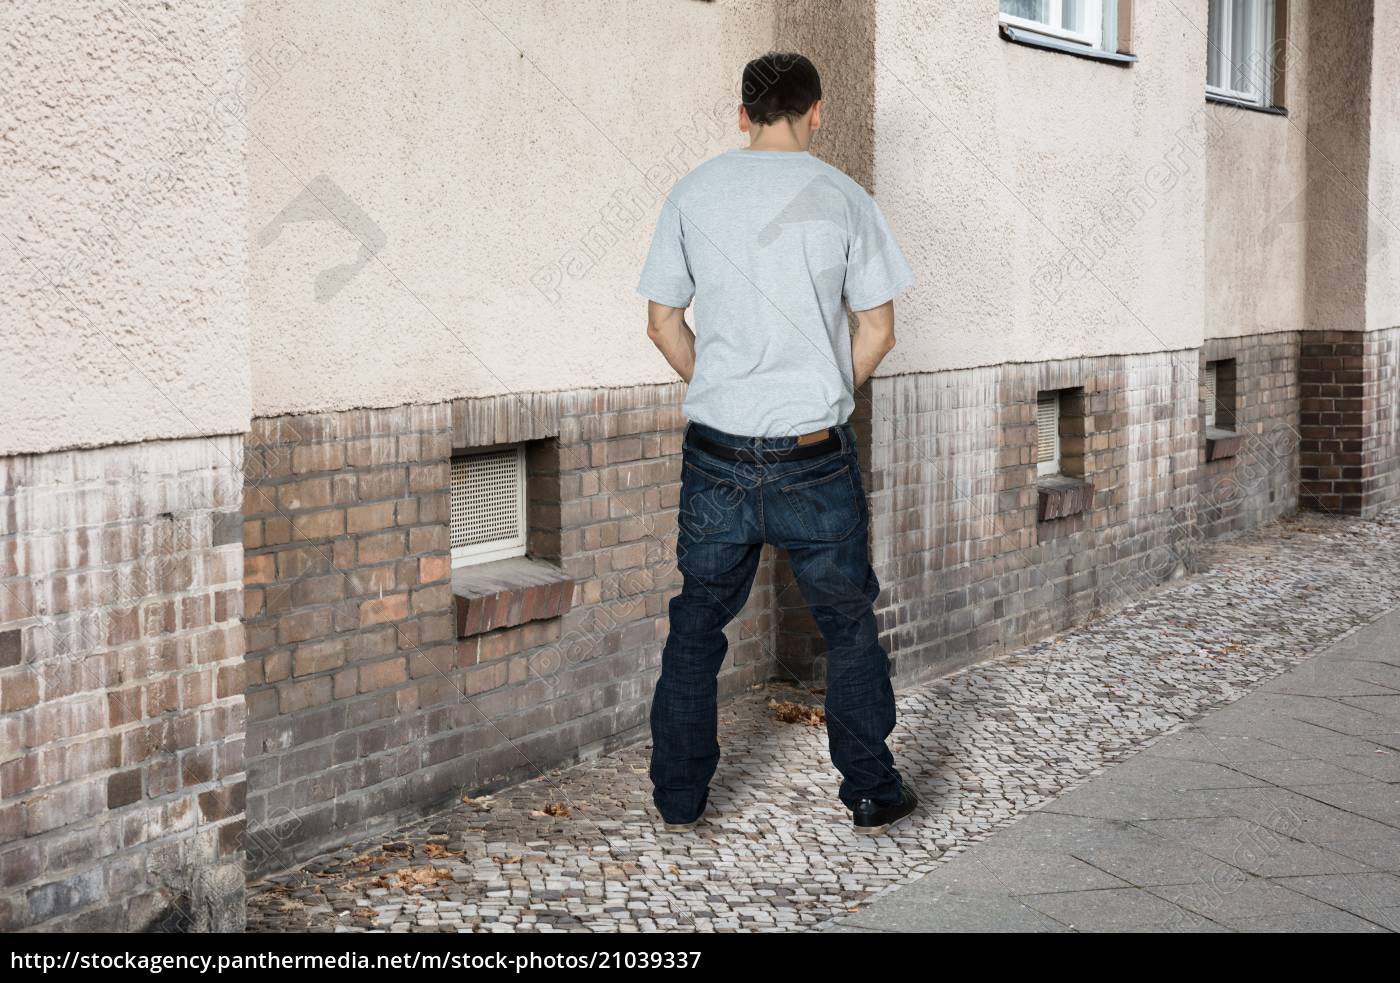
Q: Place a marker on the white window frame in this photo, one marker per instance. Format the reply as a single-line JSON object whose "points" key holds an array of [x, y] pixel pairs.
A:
{"points": [[1052, 466], [1094, 18], [1261, 67], [497, 549]]}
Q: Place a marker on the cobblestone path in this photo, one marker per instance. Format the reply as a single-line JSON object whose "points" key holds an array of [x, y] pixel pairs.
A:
{"points": [[981, 746]]}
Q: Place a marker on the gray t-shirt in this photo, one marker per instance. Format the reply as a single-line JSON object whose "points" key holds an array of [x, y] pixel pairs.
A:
{"points": [[769, 244]]}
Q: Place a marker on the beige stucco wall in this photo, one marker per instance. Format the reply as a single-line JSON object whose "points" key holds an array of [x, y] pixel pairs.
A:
{"points": [[1256, 213], [122, 194], [1383, 215], [501, 165], [1340, 35], [998, 164]]}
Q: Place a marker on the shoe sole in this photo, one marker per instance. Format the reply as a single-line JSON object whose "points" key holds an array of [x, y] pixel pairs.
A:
{"points": [[878, 830], [680, 827]]}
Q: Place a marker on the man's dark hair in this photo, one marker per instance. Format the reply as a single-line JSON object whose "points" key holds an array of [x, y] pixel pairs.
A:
{"points": [[778, 86]]}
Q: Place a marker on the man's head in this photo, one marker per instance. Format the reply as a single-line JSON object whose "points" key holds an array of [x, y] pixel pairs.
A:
{"points": [[781, 90]]}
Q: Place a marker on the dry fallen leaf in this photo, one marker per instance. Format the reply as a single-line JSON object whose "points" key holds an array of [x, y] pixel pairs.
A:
{"points": [[556, 809], [796, 713]]}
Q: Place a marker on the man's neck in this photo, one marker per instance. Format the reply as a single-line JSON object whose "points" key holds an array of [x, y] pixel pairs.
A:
{"points": [[780, 138], [783, 147]]}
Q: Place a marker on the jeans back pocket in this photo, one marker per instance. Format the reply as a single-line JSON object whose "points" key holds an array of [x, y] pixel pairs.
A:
{"points": [[828, 506], [710, 505]]}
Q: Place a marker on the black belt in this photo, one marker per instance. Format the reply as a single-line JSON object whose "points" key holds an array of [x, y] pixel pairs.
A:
{"points": [[753, 455]]}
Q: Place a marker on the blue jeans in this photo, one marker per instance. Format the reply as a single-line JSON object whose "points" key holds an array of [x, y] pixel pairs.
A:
{"points": [[815, 509]]}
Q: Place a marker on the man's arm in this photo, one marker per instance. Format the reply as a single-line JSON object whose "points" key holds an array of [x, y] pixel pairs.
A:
{"points": [[668, 331], [873, 340]]}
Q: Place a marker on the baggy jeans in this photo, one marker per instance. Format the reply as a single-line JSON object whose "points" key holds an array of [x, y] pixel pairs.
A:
{"points": [[815, 509]]}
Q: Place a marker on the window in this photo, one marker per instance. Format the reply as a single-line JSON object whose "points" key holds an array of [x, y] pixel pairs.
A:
{"points": [[1218, 394], [1088, 22], [1047, 434], [1208, 383], [488, 506], [1239, 46]]}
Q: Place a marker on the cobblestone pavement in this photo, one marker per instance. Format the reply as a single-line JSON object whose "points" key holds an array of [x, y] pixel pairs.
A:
{"points": [[982, 746]]}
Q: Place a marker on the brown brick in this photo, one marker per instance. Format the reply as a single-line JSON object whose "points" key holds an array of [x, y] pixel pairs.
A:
{"points": [[380, 547], [319, 525], [12, 648], [432, 568], [302, 626], [428, 477], [428, 539], [19, 690], [366, 518], [318, 457], [382, 675], [392, 607], [123, 788], [223, 803], [260, 569]]}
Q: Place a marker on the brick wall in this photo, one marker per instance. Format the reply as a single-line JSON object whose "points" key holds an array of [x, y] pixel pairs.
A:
{"points": [[352, 684], [1259, 482], [1349, 421], [1380, 446], [967, 569], [364, 708], [1331, 389], [121, 688]]}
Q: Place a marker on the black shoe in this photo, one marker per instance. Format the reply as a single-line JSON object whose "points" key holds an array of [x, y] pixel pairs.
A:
{"points": [[872, 818], [686, 827]]}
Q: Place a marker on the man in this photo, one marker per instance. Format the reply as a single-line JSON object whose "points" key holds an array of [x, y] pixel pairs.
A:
{"points": [[772, 245]]}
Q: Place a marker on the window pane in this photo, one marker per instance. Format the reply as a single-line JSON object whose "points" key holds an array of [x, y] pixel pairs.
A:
{"points": [[1244, 42], [1037, 10], [1072, 15], [1215, 45]]}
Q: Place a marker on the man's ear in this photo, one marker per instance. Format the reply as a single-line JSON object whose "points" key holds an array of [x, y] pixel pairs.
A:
{"points": [[744, 124], [817, 115]]}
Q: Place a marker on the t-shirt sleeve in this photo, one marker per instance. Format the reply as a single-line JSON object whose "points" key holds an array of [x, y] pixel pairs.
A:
{"points": [[876, 271], [666, 275]]}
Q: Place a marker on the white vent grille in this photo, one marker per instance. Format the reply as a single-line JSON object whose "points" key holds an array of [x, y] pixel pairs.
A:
{"points": [[1047, 433], [1208, 393], [488, 505]]}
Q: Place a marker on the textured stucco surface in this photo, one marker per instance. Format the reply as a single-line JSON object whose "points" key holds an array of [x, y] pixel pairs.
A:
{"points": [[1256, 222], [122, 203], [840, 40], [997, 163], [1383, 216], [504, 162], [1340, 35]]}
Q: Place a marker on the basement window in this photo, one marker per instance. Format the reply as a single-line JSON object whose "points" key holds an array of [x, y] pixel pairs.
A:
{"points": [[1047, 434], [1218, 409], [488, 506], [506, 539], [1061, 457], [1218, 394], [1208, 390]]}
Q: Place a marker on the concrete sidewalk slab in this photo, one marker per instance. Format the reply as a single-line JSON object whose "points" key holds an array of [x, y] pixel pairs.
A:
{"points": [[1278, 813]]}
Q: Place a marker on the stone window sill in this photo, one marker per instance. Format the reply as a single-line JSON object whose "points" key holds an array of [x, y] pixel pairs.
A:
{"points": [[1059, 497], [506, 593], [1031, 39], [1253, 107], [1221, 444]]}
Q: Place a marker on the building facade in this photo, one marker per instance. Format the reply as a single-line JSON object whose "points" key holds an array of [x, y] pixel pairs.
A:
{"points": [[339, 478]]}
